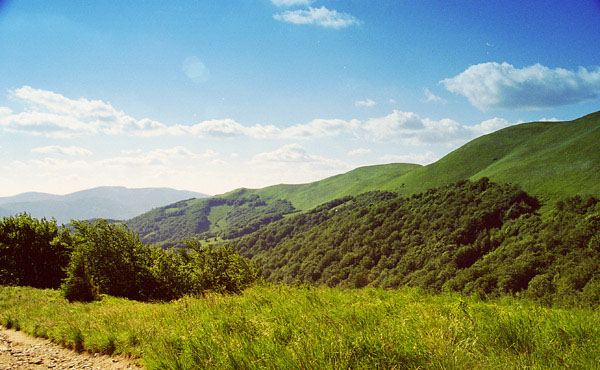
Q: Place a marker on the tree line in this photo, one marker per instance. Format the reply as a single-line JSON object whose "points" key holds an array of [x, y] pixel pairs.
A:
{"points": [[93, 258]]}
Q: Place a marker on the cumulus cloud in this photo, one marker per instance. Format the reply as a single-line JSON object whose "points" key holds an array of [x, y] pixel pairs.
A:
{"points": [[53, 115], [318, 16], [419, 158], [431, 97], [360, 151], [63, 150], [502, 86], [365, 103], [281, 3], [412, 129], [295, 154]]}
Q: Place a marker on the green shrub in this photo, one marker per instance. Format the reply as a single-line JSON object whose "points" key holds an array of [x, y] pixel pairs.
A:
{"points": [[32, 252]]}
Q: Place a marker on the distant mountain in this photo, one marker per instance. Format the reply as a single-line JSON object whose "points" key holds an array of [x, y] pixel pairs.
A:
{"points": [[113, 202]]}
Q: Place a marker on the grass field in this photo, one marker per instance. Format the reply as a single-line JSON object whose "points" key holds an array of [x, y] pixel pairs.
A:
{"points": [[315, 328]]}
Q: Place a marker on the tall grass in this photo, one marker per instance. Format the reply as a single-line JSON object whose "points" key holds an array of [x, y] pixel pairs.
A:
{"points": [[280, 326]]}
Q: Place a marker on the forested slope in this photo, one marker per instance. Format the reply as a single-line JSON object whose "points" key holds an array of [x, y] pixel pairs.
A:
{"points": [[226, 217], [473, 237]]}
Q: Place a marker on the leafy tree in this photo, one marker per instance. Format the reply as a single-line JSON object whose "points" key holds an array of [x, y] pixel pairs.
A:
{"points": [[32, 252]]}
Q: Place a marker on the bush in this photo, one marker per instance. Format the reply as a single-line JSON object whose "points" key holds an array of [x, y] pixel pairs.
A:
{"points": [[111, 259], [32, 252]]}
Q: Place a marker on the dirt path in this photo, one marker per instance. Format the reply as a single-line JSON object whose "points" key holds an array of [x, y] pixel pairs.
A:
{"points": [[20, 351]]}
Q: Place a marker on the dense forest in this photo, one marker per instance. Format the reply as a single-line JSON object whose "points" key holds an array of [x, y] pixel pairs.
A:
{"points": [[473, 237]]}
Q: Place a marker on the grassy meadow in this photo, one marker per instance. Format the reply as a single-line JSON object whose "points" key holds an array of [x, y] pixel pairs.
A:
{"points": [[278, 326]]}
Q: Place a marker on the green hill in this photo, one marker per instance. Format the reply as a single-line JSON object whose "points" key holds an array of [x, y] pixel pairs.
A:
{"points": [[357, 181], [548, 159], [245, 210], [226, 217]]}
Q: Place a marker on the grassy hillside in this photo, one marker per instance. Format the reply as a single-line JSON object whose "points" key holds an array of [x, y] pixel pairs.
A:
{"points": [[245, 210], [357, 181], [548, 159], [282, 327]]}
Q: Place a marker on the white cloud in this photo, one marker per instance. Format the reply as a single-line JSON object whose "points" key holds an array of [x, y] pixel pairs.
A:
{"points": [[159, 157], [502, 86], [291, 2], [392, 101], [53, 115], [365, 103], [411, 129], [318, 16], [553, 119], [287, 153], [295, 153], [5, 111], [63, 150], [490, 125], [360, 151], [320, 128], [431, 97], [424, 158]]}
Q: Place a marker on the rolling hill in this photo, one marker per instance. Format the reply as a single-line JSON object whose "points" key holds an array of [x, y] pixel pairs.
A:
{"points": [[357, 181], [102, 202], [245, 210], [549, 160]]}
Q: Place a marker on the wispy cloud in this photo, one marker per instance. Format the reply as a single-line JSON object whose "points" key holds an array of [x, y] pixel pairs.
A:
{"points": [[62, 150], [159, 157], [419, 158], [318, 16], [431, 97], [365, 103], [294, 157], [502, 86], [172, 166], [358, 152], [281, 3]]}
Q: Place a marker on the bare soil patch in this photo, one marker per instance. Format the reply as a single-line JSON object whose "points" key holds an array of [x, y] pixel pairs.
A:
{"points": [[20, 351]]}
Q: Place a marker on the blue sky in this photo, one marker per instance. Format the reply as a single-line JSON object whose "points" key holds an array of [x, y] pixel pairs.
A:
{"points": [[215, 95]]}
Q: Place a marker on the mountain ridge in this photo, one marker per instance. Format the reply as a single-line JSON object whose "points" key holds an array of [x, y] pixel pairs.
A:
{"points": [[112, 202]]}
